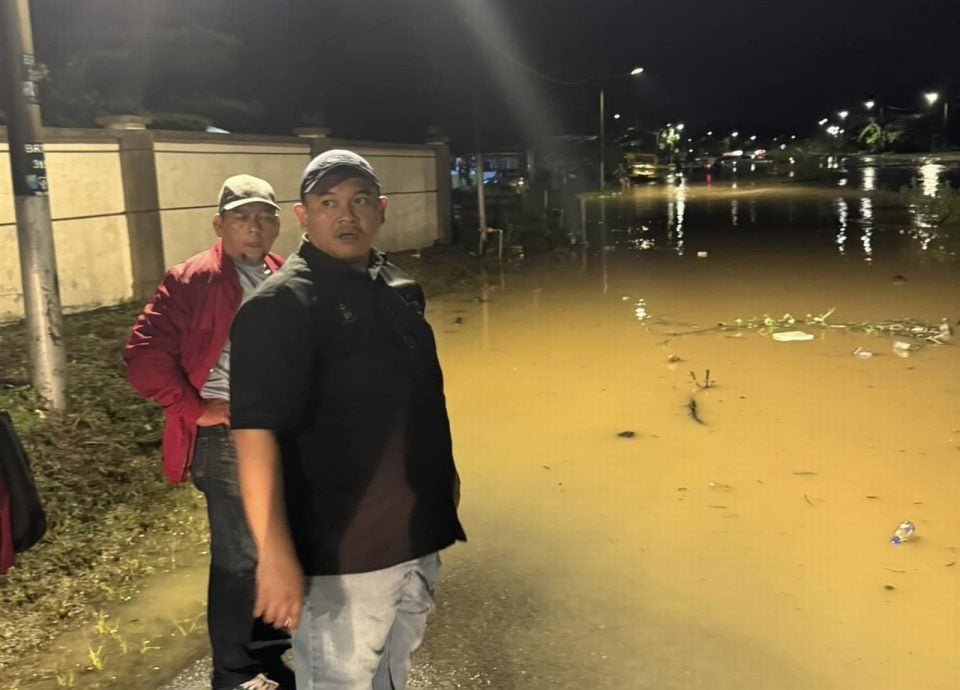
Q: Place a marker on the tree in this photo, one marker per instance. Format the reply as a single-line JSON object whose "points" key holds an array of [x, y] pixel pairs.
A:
{"points": [[173, 59], [878, 138]]}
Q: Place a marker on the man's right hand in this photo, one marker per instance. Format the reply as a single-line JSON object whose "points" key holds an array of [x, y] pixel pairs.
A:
{"points": [[280, 584], [215, 411]]}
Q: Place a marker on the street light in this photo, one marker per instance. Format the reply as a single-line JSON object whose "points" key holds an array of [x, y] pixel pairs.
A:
{"points": [[843, 114], [869, 103], [635, 72], [932, 97]]}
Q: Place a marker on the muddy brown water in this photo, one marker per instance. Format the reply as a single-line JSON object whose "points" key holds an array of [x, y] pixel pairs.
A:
{"points": [[750, 551], [747, 551]]}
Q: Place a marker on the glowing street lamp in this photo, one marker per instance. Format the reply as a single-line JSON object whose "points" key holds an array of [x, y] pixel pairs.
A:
{"points": [[843, 114], [636, 71], [734, 134], [616, 116], [932, 97], [823, 121], [869, 104]]}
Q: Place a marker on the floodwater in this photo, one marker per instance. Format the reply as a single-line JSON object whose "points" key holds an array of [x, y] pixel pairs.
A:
{"points": [[738, 536], [751, 548]]}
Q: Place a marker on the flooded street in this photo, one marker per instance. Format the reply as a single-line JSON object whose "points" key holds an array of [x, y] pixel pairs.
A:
{"points": [[738, 536], [657, 502]]}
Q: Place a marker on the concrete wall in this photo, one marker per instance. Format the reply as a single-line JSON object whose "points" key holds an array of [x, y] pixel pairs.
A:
{"points": [[127, 204], [90, 226]]}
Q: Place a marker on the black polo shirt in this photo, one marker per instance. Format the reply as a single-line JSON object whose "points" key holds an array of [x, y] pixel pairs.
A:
{"points": [[343, 369]]}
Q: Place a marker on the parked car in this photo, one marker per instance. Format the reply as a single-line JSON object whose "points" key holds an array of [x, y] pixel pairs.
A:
{"points": [[507, 180]]}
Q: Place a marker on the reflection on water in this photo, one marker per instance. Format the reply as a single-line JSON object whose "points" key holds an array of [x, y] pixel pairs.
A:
{"points": [[676, 212], [866, 218], [684, 213], [842, 214], [930, 178]]}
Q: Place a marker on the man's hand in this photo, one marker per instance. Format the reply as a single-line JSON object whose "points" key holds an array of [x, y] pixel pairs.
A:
{"points": [[279, 574], [215, 411], [279, 589]]}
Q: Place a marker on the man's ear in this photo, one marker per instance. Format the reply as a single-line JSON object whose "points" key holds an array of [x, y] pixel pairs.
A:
{"points": [[300, 211], [383, 208], [218, 224]]}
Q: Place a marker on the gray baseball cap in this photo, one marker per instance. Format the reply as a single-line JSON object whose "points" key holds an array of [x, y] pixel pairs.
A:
{"points": [[246, 189], [333, 167]]}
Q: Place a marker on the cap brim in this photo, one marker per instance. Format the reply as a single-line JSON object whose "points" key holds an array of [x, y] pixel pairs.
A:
{"points": [[250, 200]]}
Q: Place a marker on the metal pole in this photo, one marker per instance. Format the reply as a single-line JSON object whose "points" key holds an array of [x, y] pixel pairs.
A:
{"points": [[481, 199], [602, 143], [38, 263], [946, 115]]}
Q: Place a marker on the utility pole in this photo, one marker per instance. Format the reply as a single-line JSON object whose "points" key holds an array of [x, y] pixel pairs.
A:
{"points": [[603, 143], [38, 263]]}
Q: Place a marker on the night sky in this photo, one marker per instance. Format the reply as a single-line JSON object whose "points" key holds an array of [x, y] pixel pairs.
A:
{"points": [[388, 69]]}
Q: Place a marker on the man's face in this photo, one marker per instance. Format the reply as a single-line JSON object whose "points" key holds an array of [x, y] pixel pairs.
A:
{"points": [[248, 231], [343, 221]]}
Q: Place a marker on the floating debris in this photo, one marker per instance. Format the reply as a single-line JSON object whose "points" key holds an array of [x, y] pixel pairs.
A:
{"points": [[805, 473], [718, 485], [807, 499], [694, 412], [458, 321], [889, 587], [627, 434], [792, 336]]}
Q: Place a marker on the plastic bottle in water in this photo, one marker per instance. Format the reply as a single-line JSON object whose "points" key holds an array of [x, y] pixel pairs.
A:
{"points": [[904, 531]]}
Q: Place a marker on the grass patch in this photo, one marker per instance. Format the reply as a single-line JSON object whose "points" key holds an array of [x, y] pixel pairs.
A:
{"points": [[112, 518]]}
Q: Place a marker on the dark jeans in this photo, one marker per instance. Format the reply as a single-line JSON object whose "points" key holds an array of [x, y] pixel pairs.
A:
{"points": [[242, 646]]}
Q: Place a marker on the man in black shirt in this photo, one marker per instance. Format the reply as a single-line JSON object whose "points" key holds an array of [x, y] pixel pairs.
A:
{"points": [[343, 442]]}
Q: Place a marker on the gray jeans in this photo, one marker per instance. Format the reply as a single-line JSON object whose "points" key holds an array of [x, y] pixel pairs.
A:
{"points": [[359, 631]]}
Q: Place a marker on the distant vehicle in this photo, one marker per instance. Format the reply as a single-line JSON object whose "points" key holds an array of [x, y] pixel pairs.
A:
{"points": [[507, 180], [641, 166]]}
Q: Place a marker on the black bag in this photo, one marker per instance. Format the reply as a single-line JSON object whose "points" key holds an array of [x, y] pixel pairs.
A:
{"points": [[27, 519]]}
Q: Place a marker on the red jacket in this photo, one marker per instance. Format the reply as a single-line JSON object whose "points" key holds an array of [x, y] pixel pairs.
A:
{"points": [[177, 340]]}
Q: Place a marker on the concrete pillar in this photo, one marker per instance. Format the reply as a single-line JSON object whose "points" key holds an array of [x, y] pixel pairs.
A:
{"points": [[141, 198], [441, 148]]}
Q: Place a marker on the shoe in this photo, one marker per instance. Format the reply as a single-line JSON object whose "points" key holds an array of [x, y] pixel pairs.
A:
{"points": [[260, 682]]}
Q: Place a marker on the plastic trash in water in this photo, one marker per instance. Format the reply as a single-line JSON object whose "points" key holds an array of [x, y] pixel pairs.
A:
{"points": [[901, 348], [903, 532], [863, 353], [789, 336]]}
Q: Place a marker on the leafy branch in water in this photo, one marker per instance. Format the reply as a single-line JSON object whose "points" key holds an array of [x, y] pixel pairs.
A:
{"points": [[936, 334]]}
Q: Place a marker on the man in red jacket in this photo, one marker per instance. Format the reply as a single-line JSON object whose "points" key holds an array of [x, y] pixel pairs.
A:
{"points": [[179, 355]]}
